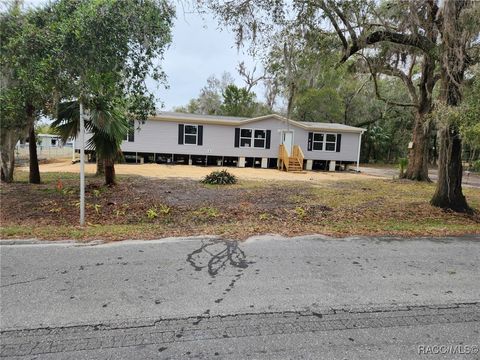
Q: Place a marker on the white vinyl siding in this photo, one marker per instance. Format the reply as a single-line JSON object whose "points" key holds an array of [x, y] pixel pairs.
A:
{"points": [[162, 137]]}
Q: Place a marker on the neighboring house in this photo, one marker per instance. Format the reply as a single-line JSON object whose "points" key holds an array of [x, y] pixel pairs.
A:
{"points": [[49, 140], [45, 141], [268, 141]]}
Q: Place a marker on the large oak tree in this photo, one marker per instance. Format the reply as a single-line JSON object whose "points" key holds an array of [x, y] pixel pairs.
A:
{"points": [[409, 40]]}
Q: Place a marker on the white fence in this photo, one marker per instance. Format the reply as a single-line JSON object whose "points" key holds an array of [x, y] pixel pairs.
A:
{"points": [[21, 152]]}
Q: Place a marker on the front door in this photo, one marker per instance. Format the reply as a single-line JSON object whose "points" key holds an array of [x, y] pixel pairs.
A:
{"points": [[287, 140]]}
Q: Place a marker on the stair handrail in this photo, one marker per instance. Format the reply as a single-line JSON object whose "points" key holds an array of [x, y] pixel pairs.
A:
{"points": [[298, 154], [283, 156]]}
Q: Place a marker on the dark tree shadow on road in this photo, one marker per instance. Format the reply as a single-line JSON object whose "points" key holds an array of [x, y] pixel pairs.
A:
{"points": [[216, 255]]}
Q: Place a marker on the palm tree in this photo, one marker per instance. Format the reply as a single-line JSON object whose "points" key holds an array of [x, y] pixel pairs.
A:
{"points": [[106, 121]]}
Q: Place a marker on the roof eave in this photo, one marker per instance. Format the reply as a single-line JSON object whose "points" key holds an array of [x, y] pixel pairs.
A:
{"points": [[247, 121]]}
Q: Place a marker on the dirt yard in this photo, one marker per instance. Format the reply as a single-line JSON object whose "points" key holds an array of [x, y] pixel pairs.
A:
{"points": [[198, 172], [170, 201]]}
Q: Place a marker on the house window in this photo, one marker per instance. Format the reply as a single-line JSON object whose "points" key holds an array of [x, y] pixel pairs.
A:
{"points": [[54, 142], [253, 138], [259, 138], [324, 142], [330, 142], [191, 133], [246, 137], [318, 141], [130, 135]]}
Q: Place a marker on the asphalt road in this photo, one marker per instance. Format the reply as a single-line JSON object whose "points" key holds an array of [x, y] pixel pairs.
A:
{"points": [[469, 179], [266, 298]]}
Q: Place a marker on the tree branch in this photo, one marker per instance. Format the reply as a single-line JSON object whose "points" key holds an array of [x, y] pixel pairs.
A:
{"points": [[417, 41], [377, 91], [342, 17]]}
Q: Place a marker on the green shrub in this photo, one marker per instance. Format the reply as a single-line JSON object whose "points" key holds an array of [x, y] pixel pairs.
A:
{"points": [[222, 177], [207, 211], [402, 164], [164, 209], [476, 166], [152, 213]]}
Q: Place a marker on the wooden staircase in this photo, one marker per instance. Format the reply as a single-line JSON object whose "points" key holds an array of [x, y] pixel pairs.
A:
{"points": [[292, 163]]}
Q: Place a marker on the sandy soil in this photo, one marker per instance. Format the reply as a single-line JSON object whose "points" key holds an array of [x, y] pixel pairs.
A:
{"points": [[197, 172]]}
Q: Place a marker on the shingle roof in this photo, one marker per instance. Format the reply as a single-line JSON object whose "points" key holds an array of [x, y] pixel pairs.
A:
{"points": [[233, 120], [177, 115], [333, 126]]}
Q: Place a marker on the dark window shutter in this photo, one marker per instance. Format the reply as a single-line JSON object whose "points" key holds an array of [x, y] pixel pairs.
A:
{"points": [[237, 137], [267, 139], [310, 141], [180, 134], [200, 135], [131, 131], [339, 141]]}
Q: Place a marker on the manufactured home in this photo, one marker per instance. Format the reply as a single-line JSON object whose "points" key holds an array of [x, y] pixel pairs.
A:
{"points": [[270, 141]]}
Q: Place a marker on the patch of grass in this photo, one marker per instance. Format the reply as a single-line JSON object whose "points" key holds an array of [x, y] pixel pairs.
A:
{"points": [[207, 212], [338, 208]]}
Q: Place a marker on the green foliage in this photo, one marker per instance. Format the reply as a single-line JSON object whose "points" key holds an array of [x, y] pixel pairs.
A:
{"points": [[321, 105], [222, 177], [300, 212], [402, 164], [223, 97], [164, 209], [207, 211], [470, 116], [152, 213], [97, 208], [238, 102], [44, 128], [264, 216], [155, 211], [108, 48], [476, 166]]}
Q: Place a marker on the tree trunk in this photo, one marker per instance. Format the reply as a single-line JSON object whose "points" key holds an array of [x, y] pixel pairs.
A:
{"points": [[34, 176], [109, 172], [448, 194], [291, 96], [100, 166], [417, 168], [8, 141]]}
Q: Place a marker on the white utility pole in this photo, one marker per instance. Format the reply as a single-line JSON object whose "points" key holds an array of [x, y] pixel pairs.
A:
{"points": [[358, 153], [82, 166]]}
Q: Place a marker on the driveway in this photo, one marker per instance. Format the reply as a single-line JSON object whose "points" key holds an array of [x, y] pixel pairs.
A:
{"points": [[266, 298], [469, 179]]}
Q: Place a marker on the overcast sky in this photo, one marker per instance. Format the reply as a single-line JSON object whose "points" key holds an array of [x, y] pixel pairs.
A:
{"points": [[199, 49]]}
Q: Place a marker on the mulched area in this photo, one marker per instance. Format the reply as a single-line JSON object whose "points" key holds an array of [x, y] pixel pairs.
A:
{"points": [[128, 202]]}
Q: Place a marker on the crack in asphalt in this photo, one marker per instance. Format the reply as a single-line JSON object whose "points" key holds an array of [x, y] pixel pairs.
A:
{"points": [[23, 282], [299, 313], [47, 340]]}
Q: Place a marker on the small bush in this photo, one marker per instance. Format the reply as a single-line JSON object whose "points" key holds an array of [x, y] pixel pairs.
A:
{"points": [[222, 177], [207, 211], [300, 212], [264, 216], [164, 209], [402, 164], [152, 213], [476, 166]]}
